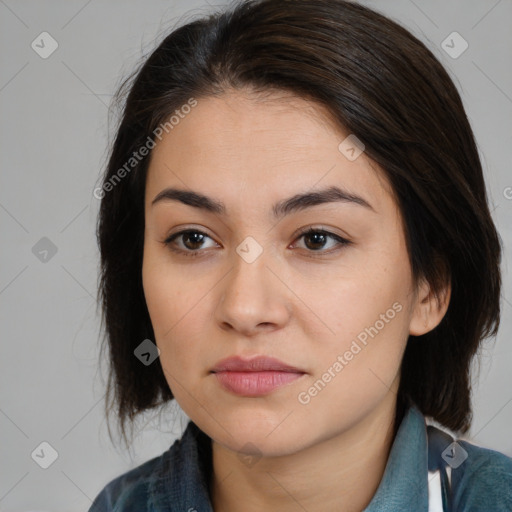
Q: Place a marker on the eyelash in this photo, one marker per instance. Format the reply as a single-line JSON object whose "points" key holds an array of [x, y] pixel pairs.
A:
{"points": [[342, 242]]}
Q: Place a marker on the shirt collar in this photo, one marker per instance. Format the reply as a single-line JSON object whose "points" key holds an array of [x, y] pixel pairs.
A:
{"points": [[404, 485], [182, 477]]}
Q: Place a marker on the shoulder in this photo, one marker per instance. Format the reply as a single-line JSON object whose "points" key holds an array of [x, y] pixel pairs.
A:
{"points": [[129, 491], [483, 480], [166, 482]]}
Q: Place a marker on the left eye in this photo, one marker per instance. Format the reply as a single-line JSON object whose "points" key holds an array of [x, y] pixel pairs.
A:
{"points": [[192, 240], [319, 236]]}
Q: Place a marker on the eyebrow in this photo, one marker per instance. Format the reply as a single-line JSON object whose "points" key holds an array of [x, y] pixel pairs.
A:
{"points": [[293, 204]]}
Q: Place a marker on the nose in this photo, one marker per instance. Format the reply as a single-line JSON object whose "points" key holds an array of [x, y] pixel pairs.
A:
{"points": [[253, 297]]}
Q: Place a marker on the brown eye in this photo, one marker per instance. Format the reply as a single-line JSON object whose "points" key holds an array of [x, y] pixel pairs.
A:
{"points": [[192, 241], [316, 239]]}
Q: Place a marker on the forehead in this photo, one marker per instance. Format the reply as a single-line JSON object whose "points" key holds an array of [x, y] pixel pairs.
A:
{"points": [[263, 146]]}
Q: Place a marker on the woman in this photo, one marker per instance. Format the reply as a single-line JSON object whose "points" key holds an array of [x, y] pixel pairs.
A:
{"points": [[296, 246]]}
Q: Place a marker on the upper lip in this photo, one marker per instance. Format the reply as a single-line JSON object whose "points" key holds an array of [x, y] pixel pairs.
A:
{"points": [[255, 364]]}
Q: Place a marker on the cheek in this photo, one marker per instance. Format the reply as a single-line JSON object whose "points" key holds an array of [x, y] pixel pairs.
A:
{"points": [[163, 299], [356, 369], [368, 341], [367, 315], [167, 292], [358, 297], [176, 305]]}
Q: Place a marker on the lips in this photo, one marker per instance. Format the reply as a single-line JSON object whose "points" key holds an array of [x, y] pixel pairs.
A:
{"points": [[256, 364], [258, 376]]}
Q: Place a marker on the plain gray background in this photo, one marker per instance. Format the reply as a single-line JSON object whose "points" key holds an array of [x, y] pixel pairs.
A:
{"points": [[54, 130]]}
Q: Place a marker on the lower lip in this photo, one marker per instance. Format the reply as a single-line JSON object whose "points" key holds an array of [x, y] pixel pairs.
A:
{"points": [[255, 383]]}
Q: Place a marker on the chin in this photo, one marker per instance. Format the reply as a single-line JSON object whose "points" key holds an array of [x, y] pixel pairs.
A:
{"points": [[267, 436]]}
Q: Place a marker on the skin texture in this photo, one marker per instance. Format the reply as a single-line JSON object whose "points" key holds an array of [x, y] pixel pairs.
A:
{"points": [[302, 301]]}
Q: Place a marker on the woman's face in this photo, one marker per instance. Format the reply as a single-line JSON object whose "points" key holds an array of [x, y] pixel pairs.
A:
{"points": [[250, 283]]}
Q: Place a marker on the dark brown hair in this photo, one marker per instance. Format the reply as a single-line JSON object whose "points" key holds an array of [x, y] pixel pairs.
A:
{"points": [[378, 82]]}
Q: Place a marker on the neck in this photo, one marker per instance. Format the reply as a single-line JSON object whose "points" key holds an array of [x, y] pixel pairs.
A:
{"points": [[342, 472]]}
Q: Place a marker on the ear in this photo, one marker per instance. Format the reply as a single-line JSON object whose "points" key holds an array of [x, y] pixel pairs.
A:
{"points": [[429, 309]]}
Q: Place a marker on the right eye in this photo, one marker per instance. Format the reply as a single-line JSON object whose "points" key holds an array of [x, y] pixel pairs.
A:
{"points": [[191, 240]]}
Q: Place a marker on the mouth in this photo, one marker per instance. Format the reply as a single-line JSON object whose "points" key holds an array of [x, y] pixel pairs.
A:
{"points": [[255, 364], [258, 376], [255, 383]]}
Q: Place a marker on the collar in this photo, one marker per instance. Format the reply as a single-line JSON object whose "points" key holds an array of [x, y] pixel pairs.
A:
{"points": [[404, 485], [184, 471]]}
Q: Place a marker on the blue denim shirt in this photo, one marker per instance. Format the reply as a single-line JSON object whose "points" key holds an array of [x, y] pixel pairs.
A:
{"points": [[472, 478]]}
